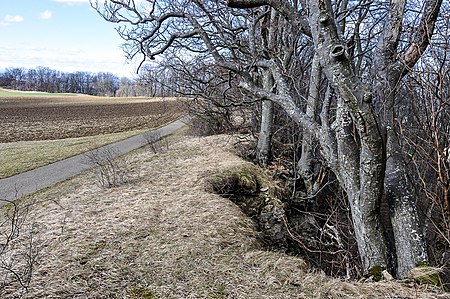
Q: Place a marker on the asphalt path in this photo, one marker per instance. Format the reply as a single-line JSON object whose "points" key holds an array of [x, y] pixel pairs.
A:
{"points": [[20, 185]]}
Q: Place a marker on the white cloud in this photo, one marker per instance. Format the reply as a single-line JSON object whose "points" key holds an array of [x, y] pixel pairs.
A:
{"points": [[7, 20], [13, 19], [46, 15]]}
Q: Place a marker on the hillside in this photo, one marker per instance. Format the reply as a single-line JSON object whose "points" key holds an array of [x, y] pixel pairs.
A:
{"points": [[162, 235]]}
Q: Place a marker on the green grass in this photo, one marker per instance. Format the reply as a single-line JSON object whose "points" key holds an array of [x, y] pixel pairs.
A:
{"points": [[5, 93], [18, 157]]}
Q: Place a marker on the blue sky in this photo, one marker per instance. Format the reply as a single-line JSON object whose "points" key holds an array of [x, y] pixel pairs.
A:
{"points": [[65, 35]]}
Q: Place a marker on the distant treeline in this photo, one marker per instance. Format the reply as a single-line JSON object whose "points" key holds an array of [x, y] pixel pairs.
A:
{"points": [[48, 80], [99, 84]]}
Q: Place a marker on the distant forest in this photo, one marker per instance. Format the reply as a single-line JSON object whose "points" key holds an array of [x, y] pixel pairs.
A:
{"points": [[99, 84]]}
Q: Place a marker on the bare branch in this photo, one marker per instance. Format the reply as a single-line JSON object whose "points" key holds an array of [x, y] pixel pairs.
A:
{"points": [[283, 6], [286, 102], [423, 34]]}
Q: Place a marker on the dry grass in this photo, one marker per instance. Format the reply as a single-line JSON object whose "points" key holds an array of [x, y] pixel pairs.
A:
{"points": [[163, 236]]}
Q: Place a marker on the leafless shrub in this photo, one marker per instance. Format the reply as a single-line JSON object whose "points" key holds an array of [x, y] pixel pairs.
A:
{"points": [[110, 170], [19, 249], [207, 125], [155, 142]]}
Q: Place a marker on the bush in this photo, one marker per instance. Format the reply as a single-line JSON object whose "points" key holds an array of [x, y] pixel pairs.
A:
{"points": [[19, 249], [155, 141], [110, 170]]}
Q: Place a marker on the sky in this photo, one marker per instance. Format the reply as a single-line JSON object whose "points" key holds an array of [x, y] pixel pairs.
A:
{"points": [[64, 35]]}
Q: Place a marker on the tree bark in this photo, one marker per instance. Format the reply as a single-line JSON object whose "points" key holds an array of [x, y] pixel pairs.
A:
{"points": [[409, 242], [307, 166], [360, 172], [360, 166], [410, 247], [263, 149]]}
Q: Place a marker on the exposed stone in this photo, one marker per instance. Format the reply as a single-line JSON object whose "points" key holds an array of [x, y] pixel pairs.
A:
{"points": [[387, 276]]}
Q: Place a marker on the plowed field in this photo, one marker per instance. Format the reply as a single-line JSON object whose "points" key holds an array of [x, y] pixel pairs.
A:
{"points": [[47, 118]]}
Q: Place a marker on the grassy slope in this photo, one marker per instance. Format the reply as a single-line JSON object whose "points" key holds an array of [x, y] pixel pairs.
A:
{"points": [[163, 236]]}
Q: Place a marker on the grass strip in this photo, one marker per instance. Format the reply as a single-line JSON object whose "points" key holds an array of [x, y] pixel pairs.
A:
{"points": [[18, 157]]}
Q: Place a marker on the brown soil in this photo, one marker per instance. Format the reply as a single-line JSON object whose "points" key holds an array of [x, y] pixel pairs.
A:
{"points": [[57, 118], [163, 236]]}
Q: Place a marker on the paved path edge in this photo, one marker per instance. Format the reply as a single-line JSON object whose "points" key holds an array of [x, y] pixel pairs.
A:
{"points": [[28, 182]]}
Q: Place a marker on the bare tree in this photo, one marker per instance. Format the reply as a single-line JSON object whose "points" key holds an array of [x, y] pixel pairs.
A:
{"points": [[363, 138], [353, 120]]}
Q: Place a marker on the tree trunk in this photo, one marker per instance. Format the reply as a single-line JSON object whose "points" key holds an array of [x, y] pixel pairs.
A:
{"points": [[264, 146], [410, 246], [359, 143], [307, 165], [360, 173], [409, 241], [263, 150]]}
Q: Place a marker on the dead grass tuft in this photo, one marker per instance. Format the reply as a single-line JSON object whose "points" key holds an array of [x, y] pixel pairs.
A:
{"points": [[163, 236], [427, 275]]}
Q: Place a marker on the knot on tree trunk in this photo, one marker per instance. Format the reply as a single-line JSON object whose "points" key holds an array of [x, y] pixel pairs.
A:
{"points": [[324, 20], [338, 53], [367, 97]]}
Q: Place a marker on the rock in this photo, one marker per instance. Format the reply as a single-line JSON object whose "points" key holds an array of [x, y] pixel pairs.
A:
{"points": [[387, 276]]}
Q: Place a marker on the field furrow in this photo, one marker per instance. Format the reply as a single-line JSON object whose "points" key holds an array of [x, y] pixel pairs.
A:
{"points": [[20, 120]]}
